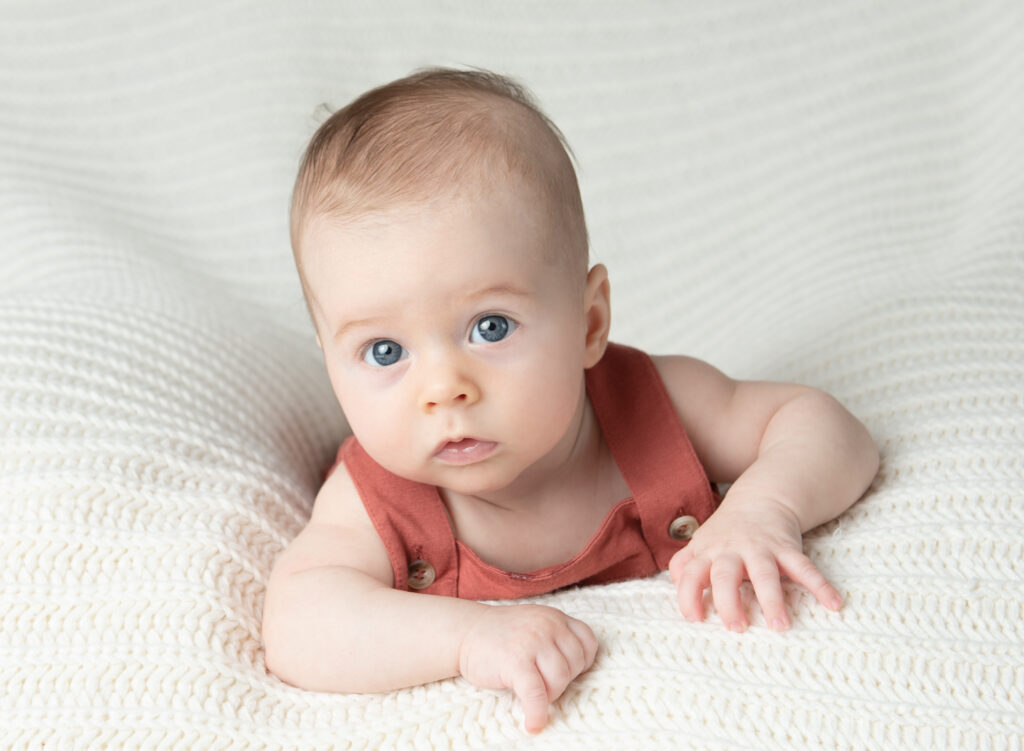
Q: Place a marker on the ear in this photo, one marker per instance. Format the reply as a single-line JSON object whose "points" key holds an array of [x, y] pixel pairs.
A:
{"points": [[597, 312]]}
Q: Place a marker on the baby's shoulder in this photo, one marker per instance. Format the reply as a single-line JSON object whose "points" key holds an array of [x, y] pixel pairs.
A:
{"points": [[339, 533], [702, 397], [338, 500], [691, 382]]}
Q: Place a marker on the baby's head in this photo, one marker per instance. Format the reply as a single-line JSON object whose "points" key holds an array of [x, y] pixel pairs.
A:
{"points": [[439, 235], [429, 138]]}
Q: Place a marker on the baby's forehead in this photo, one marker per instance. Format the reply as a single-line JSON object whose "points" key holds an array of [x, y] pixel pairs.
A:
{"points": [[498, 226], [465, 211], [502, 223], [424, 262]]}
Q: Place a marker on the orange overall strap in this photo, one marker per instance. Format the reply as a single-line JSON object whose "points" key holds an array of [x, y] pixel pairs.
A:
{"points": [[411, 521], [650, 446]]}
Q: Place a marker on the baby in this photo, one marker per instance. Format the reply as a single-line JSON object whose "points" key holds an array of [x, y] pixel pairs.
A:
{"points": [[502, 446]]}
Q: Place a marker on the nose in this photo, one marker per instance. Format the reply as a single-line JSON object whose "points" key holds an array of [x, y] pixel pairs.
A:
{"points": [[447, 382]]}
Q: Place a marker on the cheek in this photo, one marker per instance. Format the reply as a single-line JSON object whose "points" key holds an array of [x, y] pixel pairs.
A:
{"points": [[383, 431], [366, 423], [368, 410], [546, 397]]}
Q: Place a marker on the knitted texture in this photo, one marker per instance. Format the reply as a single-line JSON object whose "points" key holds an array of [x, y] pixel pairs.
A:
{"points": [[830, 193]]}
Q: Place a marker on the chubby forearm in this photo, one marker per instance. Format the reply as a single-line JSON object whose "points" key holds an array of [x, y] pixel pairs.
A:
{"points": [[336, 629], [814, 457]]}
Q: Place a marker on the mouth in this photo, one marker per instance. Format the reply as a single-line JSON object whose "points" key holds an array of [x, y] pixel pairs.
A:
{"points": [[464, 450]]}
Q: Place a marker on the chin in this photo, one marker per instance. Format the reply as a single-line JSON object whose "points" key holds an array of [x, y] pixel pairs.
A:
{"points": [[475, 479], [467, 486]]}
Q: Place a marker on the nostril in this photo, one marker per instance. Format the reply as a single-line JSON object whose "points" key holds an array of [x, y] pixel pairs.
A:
{"points": [[456, 399]]}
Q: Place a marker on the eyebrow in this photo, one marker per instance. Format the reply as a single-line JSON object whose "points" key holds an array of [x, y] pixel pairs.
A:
{"points": [[497, 289], [355, 324]]}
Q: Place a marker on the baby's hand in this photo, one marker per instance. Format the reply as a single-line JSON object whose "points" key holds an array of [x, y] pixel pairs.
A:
{"points": [[757, 540], [534, 650]]}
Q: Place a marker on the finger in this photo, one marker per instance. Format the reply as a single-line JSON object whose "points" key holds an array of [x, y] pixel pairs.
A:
{"points": [[802, 570], [726, 576], [571, 647], [529, 688], [678, 562], [764, 575], [555, 670], [693, 580], [587, 639]]}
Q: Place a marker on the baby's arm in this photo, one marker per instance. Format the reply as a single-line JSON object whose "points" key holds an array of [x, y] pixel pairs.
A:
{"points": [[332, 621], [796, 459]]}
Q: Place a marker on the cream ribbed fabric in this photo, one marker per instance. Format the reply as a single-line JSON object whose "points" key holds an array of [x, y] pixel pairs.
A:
{"points": [[830, 193]]}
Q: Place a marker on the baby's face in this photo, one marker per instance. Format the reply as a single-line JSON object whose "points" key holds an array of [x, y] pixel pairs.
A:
{"points": [[454, 344]]}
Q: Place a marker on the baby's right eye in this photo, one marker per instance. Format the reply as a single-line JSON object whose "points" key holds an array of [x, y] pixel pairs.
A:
{"points": [[384, 352]]}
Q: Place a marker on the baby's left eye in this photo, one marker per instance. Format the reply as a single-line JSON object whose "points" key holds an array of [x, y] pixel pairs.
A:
{"points": [[492, 328]]}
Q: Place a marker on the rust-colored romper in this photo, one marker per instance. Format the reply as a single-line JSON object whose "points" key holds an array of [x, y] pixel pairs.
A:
{"points": [[671, 497]]}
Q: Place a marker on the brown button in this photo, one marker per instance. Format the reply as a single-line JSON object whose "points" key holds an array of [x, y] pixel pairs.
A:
{"points": [[421, 574], [682, 527]]}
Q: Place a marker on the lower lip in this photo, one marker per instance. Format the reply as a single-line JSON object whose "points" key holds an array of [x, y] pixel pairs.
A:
{"points": [[465, 451]]}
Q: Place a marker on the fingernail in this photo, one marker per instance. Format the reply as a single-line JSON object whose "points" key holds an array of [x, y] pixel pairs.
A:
{"points": [[737, 626], [534, 730], [778, 624], [835, 603]]}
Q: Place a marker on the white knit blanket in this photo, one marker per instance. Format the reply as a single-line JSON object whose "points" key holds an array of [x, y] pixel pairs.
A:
{"points": [[830, 193]]}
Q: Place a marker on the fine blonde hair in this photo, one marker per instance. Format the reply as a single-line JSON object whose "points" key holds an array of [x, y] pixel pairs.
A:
{"points": [[435, 134]]}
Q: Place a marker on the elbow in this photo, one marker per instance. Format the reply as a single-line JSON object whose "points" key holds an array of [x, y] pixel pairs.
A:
{"points": [[870, 457], [858, 444], [312, 635], [286, 646], [294, 654], [286, 657], [276, 657], [850, 442]]}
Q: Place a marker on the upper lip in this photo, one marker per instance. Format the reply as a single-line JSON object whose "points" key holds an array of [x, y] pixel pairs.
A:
{"points": [[455, 439]]}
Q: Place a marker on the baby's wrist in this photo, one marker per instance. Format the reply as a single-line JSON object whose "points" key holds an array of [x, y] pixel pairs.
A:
{"points": [[761, 503], [465, 631]]}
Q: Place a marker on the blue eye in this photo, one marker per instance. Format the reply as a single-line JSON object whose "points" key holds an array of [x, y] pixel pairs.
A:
{"points": [[492, 328], [383, 352]]}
